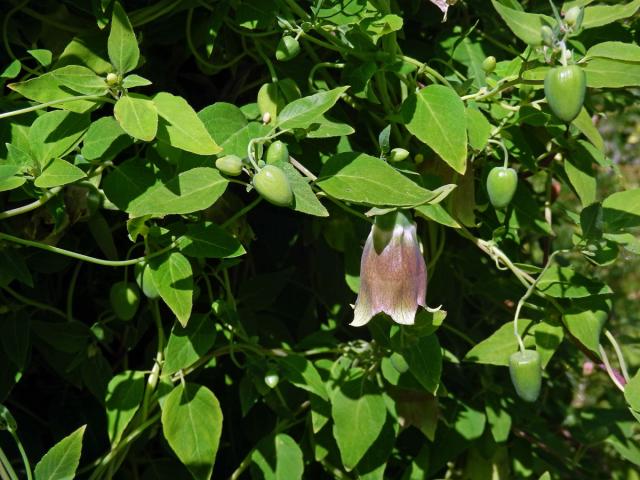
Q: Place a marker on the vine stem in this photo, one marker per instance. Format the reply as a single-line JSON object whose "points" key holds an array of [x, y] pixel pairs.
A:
{"points": [[54, 102], [610, 372], [31, 206], [618, 350], [527, 294], [5, 467], [504, 149], [23, 454], [80, 256]]}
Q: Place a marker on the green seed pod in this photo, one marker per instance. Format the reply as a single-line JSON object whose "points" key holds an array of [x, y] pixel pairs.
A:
{"points": [[565, 88], [288, 48], [489, 64], [277, 152], [526, 374], [125, 299], [501, 186], [273, 185], [548, 38], [230, 165], [142, 273], [398, 155]]}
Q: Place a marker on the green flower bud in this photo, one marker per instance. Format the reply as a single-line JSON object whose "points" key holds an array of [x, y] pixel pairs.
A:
{"points": [[489, 64], [230, 165], [398, 155], [548, 38]]}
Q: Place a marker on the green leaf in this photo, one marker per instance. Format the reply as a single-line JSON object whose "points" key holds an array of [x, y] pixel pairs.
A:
{"points": [[425, 362], [478, 128], [192, 425], [137, 116], [305, 198], [49, 87], [585, 320], [187, 344], [303, 112], [11, 183], [469, 422], [172, 277], [325, 128], [584, 123], [608, 73], [600, 15], [278, 458], [61, 461], [207, 240], [12, 70], [55, 133], [358, 411], [122, 44], [42, 55], [104, 139], [581, 174], [628, 52], [124, 395], [621, 210], [526, 26], [437, 213], [58, 172], [181, 127], [436, 116], [133, 81], [361, 178], [87, 52], [80, 79], [564, 282], [301, 372], [632, 392]]}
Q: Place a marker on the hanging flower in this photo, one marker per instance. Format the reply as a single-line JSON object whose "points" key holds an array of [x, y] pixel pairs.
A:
{"points": [[393, 274], [444, 6]]}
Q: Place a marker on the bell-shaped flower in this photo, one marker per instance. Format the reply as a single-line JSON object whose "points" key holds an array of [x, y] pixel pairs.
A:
{"points": [[393, 274]]}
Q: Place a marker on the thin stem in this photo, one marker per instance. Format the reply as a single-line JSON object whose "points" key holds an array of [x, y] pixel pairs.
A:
{"points": [[242, 212], [31, 206], [34, 303], [423, 67], [4, 461], [71, 290], [618, 350], [80, 256], [23, 454], [54, 102], [504, 149], [610, 372]]}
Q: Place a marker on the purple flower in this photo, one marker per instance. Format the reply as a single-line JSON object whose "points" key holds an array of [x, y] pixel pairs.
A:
{"points": [[393, 274]]}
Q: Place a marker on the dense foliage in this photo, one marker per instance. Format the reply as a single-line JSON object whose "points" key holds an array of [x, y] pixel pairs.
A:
{"points": [[187, 189]]}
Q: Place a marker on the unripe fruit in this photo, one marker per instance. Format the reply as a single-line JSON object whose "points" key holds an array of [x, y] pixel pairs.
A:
{"points": [[142, 273], [489, 64], [288, 48], [501, 186], [125, 299], [526, 374], [277, 152], [230, 165], [271, 379], [547, 36], [112, 79], [273, 185], [398, 155], [565, 88]]}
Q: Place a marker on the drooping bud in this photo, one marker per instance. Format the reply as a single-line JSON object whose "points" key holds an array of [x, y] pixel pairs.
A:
{"points": [[393, 273]]}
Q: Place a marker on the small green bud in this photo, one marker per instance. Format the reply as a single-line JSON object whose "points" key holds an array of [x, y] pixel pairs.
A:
{"points": [[112, 79], [489, 64], [288, 48], [230, 165], [573, 17], [277, 152], [548, 38], [398, 155]]}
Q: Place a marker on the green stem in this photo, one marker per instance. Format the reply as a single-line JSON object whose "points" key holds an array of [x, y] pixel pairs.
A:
{"points": [[70, 291], [7, 468], [34, 303], [423, 67], [31, 206], [23, 454], [610, 372], [504, 149], [80, 256], [242, 212], [618, 350], [54, 102]]}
